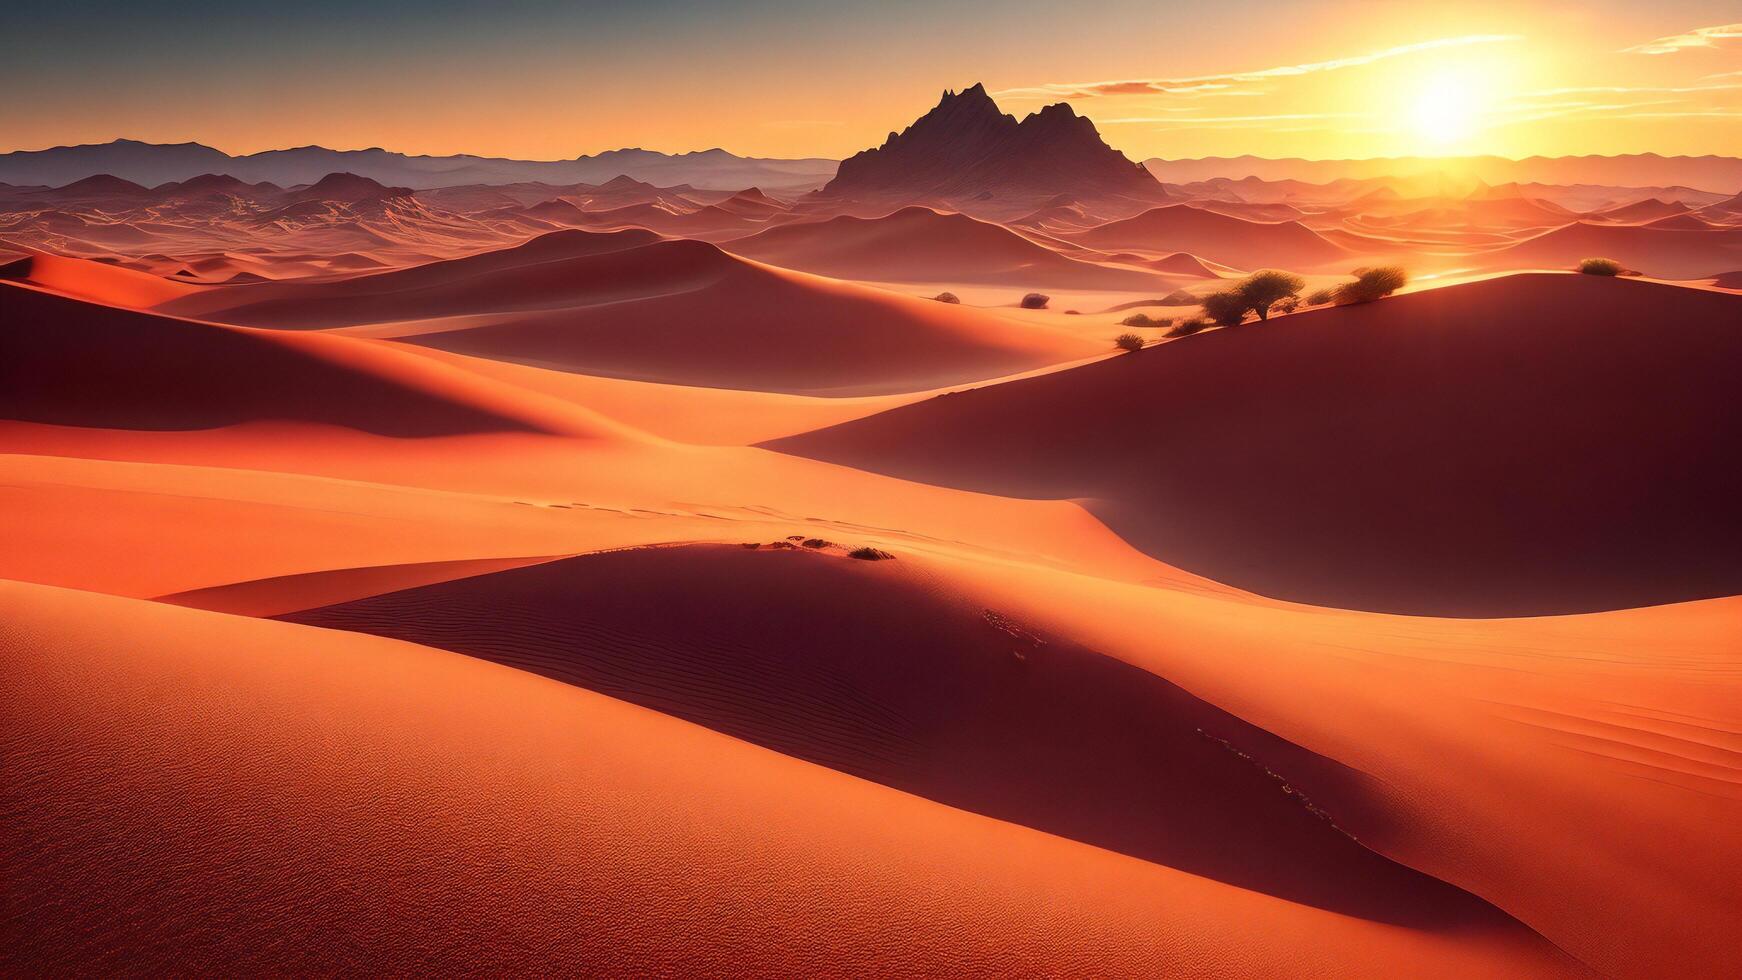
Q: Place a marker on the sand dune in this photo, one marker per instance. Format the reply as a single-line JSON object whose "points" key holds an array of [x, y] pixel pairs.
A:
{"points": [[1497, 448], [918, 244], [1218, 237], [593, 836], [95, 281], [354, 300], [69, 362], [1639, 212], [679, 312], [922, 692], [1670, 253]]}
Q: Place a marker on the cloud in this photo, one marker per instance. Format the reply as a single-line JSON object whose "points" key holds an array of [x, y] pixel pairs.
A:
{"points": [[1703, 37], [1212, 83]]}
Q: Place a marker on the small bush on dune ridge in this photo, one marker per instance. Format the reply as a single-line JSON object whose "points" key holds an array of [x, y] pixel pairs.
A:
{"points": [[1226, 309], [1371, 284], [1186, 327], [1035, 301], [946, 298], [1287, 304], [1320, 297], [870, 554], [1600, 267], [1142, 320], [1128, 342]]}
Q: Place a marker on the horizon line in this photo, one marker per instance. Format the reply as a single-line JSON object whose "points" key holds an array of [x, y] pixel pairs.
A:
{"points": [[720, 149]]}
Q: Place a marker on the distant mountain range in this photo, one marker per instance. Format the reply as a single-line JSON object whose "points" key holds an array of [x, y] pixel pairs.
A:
{"points": [[152, 164], [1710, 173], [963, 147], [967, 146]]}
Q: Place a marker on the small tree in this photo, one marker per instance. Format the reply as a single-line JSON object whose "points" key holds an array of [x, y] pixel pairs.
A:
{"points": [[1128, 342], [1320, 297], [1371, 284], [1600, 267], [1227, 308], [1263, 288], [1035, 301]]}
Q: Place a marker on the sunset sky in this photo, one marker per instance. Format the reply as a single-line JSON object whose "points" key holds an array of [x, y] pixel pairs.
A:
{"points": [[789, 78]]}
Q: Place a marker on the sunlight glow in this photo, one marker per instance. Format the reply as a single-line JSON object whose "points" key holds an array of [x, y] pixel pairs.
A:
{"points": [[1448, 111]]}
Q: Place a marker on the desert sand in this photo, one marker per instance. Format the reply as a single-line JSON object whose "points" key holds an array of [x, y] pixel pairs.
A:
{"points": [[548, 571]]}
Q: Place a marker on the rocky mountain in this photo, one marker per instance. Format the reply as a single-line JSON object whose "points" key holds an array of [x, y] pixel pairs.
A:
{"points": [[152, 164], [967, 146]]}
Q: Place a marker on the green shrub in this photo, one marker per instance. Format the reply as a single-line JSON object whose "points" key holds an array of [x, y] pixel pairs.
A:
{"points": [[1268, 286], [1227, 308], [1371, 284]]}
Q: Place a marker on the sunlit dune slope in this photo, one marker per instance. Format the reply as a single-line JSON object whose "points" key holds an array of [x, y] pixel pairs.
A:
{"points": [[683, 312], [187, 789], [1218, 237], [1673, 252], [879, 671], [1524, 445], [69, 362], [95, 281], [919, 244]]}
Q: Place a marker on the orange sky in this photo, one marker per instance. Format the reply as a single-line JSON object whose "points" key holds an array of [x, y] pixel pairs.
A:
{"points": [[780, 78]]}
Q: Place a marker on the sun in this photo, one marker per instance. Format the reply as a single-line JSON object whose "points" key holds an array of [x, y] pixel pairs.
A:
{"points": [[1448, 110]]}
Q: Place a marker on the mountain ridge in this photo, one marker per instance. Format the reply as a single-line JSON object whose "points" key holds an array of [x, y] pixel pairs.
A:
{"points": [[966, 145], [153, 164]]}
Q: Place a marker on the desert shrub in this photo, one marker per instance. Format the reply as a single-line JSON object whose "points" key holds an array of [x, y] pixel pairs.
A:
{"points": [[1142, 320], [815, 543], [1600, 267], [1227, 308], [947, 298], [1035, 301], [1371, 284], [1179, 297], [1268, 286], [1073, 313], [1128, 342], [1287, 304], [870, 554], [1187, 327], [1320, 297]]}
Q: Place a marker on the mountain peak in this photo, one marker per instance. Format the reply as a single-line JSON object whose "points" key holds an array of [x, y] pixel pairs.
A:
{"points": [[349, 188], [967, 145]]}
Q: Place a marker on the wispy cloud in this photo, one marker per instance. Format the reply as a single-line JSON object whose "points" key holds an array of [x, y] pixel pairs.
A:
{"points": [[1213, 83], [1703, 37], [1279, 117]]}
